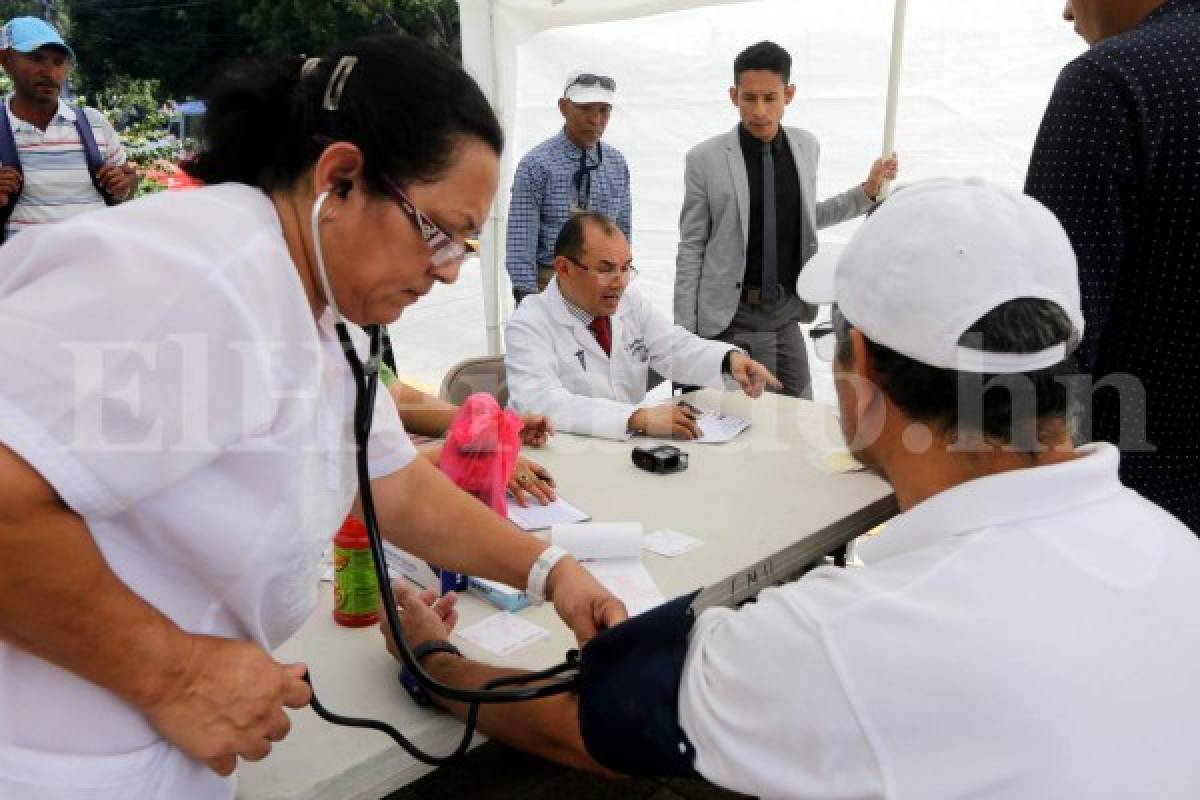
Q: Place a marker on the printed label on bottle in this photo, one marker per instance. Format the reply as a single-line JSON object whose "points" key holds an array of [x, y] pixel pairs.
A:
{"points": [[356, 591]]}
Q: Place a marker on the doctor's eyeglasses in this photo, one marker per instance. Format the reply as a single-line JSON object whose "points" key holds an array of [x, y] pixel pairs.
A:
{"points": [[608, 273], [443, 249]]}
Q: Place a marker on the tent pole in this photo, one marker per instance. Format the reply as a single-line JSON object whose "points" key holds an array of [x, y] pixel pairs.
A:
{"points": [[889, 123], [479, 58]]}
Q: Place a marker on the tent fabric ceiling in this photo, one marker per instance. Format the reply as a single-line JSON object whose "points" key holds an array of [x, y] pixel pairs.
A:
{"points": [[976, 78], [544, 14]]}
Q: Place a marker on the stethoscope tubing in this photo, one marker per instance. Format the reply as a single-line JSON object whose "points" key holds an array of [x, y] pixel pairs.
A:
{"points": [[366, 384]]}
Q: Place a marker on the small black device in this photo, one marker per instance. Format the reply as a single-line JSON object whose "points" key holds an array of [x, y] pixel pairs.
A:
{"points": [[662, 459]]}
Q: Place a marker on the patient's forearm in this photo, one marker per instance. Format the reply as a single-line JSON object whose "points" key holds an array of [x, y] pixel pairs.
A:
{"points": [[548, 727], [432, 451], [422, 413]]}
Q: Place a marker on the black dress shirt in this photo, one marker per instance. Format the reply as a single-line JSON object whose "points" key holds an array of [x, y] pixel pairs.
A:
{"points": [[787, 210], [1117, 161]]}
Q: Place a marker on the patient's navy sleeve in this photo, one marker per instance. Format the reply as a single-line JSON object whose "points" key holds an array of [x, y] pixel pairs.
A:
{"points": [[629, 693]]}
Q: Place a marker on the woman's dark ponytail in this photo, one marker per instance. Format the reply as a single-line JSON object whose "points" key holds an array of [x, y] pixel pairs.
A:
{"points": [[406, 105]]}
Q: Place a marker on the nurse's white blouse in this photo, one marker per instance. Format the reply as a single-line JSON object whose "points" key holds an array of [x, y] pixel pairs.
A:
{"points": [[161, 368]]}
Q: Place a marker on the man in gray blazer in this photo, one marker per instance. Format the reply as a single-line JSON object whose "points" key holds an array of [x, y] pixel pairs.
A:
{"points": [[750, 219]]}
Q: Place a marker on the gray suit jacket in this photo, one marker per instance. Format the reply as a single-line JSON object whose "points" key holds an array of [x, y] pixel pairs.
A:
{"points": [[715, 222]]}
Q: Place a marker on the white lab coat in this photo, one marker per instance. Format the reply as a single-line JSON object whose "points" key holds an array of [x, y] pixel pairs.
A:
{"points": [[557, 368]]}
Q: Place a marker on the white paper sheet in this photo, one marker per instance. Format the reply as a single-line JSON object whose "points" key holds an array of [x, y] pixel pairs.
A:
{"points": [[670, 543], [536, 517], [628, 579], [503, 633], [718, 428], [594, 540]]}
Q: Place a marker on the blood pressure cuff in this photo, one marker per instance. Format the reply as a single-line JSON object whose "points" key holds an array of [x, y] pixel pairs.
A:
{"points": [[629, 693]]}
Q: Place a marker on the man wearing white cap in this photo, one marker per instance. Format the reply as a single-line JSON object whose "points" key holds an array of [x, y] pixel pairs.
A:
{"points": [[564, 175], [1025, 628], [56, 160]]}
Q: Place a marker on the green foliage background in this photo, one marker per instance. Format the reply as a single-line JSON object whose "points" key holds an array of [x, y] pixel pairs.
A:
{"points": [[131, 55], [182, 44]]}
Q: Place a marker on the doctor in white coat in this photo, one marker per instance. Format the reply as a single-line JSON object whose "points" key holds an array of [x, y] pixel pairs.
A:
{"points": [[580, 351]]}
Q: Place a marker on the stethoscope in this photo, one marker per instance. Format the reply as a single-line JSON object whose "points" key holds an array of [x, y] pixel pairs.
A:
{"points": [[366, 384]]}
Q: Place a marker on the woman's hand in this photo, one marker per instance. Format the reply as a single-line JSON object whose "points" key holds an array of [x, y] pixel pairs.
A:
{"points": [[533, 479], [536, 430], [228, 702], [423, 616], [585, 605]]}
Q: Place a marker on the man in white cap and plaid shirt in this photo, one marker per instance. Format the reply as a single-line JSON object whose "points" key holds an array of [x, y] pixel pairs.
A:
{"points": [[569, 173], [1025, 628]]}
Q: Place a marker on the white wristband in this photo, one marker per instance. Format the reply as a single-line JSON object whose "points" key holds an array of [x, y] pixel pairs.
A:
{"points": [[535, 586]]}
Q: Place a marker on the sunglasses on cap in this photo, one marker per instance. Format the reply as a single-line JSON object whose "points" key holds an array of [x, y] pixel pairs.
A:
{"points": [[588, 80]]}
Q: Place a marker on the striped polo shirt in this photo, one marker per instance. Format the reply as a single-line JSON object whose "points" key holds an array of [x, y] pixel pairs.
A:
{"points": [[56, 180]]}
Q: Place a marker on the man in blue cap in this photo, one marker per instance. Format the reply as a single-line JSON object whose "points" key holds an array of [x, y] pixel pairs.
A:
{"points": [[56, 161]]}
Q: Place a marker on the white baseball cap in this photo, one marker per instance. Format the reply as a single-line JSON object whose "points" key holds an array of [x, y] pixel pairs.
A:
{"points": [[583, 86], [938, 255]]}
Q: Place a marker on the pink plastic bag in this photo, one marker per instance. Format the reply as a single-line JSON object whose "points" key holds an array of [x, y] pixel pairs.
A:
{"points": [[481, 450]]}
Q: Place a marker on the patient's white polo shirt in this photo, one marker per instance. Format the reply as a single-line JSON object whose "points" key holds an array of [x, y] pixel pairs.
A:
{"points": [[163, 371], [1028, 635]]}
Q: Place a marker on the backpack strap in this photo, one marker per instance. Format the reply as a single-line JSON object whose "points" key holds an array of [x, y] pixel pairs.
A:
{"points": [[91, 152], [8, 144], [8, 158]]}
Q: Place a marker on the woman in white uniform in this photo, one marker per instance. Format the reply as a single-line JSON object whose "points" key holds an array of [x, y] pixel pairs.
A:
{"points": [[175, 445]]}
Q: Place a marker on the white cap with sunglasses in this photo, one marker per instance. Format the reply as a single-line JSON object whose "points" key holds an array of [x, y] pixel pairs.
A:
{"points": [[938, 256], [589, 87]]}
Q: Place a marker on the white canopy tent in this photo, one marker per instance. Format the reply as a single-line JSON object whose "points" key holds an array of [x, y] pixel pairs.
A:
{"points": [[976, 77]]}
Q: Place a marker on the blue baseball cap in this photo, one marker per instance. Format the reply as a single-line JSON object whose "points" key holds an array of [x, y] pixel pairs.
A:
{"points": [[26, 34]]}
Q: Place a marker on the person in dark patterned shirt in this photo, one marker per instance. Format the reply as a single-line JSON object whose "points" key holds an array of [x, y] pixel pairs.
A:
{"points": [[1117, 159]]}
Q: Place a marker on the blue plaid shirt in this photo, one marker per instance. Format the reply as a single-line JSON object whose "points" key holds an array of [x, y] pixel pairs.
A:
{"points": [[543, 193]]}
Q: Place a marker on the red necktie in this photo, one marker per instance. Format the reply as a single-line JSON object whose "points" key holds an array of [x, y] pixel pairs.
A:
{"points": [[602, 327]]}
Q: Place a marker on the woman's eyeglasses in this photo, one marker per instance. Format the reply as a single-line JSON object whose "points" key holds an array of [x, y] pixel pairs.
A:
{"points": [[443, 248]]}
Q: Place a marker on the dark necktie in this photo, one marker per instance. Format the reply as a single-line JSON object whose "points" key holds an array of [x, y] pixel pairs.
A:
{"points": [[770, 260], [602, 327]]}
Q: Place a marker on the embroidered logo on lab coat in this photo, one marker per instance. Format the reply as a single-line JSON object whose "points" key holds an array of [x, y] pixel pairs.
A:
{"points": [[637, 350]]}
